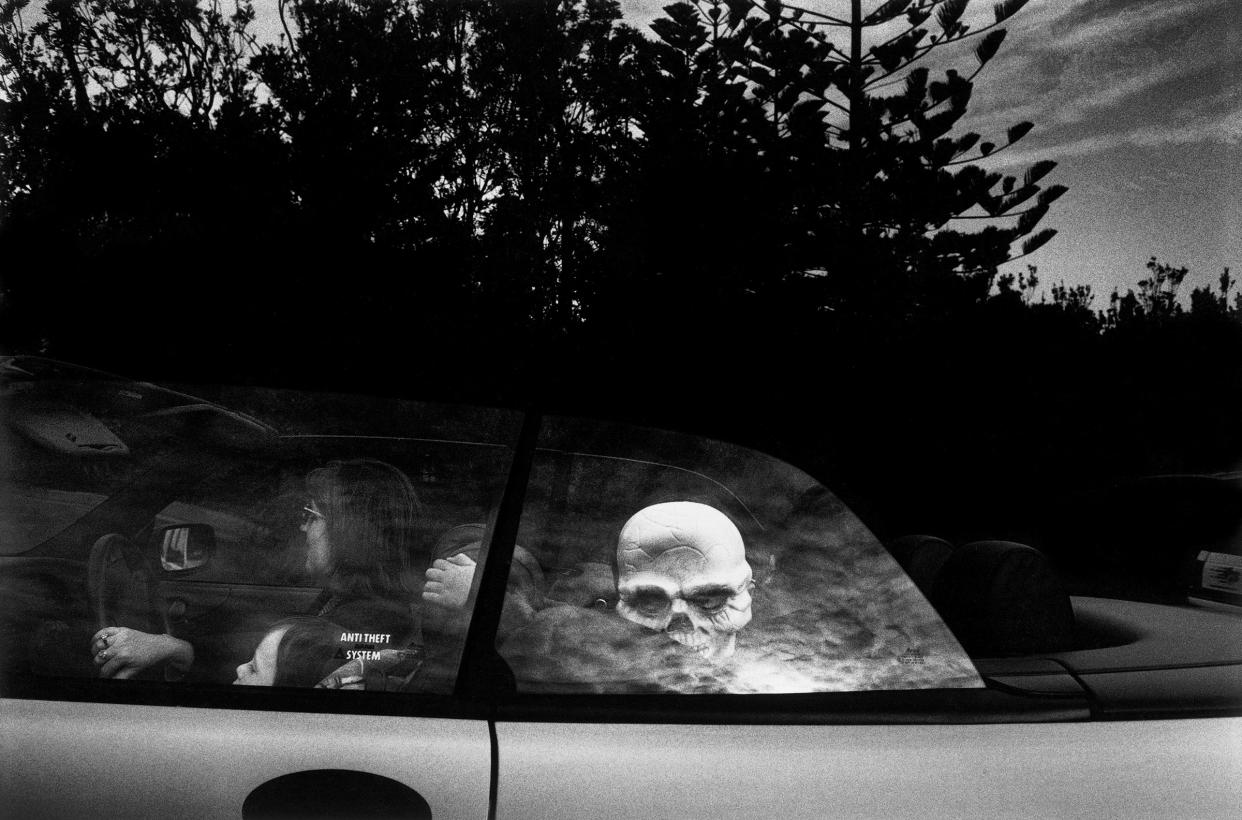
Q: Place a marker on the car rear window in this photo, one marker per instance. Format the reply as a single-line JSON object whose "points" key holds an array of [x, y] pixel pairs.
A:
{"points": [[653, 562]]}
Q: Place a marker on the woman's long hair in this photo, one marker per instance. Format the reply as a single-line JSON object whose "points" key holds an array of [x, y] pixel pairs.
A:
{"points": [[370, 511]]}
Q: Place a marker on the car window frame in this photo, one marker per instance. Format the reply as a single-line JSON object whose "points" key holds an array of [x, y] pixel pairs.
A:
{"points": [[486, 679], [485, 688], [64, 547]]}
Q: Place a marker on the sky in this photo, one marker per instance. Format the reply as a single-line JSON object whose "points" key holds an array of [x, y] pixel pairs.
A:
{"points": [[1140, 104]]}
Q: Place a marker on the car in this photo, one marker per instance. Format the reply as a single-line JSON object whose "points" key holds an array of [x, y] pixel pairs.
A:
{"points": [[603, 620]]}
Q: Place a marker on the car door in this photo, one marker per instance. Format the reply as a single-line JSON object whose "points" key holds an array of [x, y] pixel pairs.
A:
{"points": [[843, 694], [108, 759], [175, 743]]}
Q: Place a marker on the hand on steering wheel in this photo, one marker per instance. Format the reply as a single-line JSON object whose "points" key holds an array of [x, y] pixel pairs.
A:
{"points": [[121, 652], [122, 582]]}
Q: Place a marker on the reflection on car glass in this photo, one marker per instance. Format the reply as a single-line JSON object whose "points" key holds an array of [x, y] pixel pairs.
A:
{"points": [[746, 578], [165, 538]]}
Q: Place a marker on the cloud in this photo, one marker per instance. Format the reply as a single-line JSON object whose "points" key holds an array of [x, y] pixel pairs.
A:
{"points": [[1223, 128], [1118, 86], [1073, 29], [1096, 76], [1093, 75]]}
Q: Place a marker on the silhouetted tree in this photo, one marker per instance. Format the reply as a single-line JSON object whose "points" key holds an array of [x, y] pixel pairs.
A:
{"points": [[356, 91], [873, 189], [131, 139], [555, 81], [1154, 303], [1203, 302]]}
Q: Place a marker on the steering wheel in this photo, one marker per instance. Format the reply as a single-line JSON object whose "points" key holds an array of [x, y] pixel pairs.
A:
{"points": [[123, 586]]}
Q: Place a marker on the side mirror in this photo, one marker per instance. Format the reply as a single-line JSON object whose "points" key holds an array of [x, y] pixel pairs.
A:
{"points": [[185, 547]]}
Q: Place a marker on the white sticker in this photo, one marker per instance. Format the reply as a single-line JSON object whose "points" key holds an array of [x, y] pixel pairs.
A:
{"points": [[1223, 572]]}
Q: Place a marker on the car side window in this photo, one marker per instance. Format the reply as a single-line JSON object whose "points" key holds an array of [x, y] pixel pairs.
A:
{"points": [[270, 520], [210, 551], [654, 562]]}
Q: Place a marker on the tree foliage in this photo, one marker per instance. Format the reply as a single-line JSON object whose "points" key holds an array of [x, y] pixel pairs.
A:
{"points": [[846, 105], [540, 160], [748, 207]]}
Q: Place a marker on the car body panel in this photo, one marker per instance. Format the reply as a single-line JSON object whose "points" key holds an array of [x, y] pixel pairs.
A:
{"points": [[80, 760], [1137, 634], [1180, 768]]}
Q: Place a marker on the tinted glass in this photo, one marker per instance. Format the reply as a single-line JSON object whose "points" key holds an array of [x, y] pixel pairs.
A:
{"points": [[656, 562], [207, 547]]}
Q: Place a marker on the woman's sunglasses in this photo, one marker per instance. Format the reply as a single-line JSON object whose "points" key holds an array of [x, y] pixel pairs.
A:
{"points": [[309, 515]]}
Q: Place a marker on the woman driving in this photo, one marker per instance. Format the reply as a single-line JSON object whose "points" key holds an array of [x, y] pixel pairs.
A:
{"points": [[359, 521]]}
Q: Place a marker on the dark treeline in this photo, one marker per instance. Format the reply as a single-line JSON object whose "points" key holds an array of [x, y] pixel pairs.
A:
{"points": [[753, 220]]}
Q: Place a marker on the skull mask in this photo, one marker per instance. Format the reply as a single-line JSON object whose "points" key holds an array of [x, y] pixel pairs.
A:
{"points": [[682, 570]]}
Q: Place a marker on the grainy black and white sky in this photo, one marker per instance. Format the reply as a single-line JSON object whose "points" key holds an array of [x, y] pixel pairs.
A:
{"points": [[1140, 101]]}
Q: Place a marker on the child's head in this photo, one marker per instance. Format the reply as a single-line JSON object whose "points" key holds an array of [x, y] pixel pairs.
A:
{"points": [[294, 652]]}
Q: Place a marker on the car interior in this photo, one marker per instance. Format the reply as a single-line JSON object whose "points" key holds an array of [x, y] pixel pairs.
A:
{"points": [[1172, 645]]}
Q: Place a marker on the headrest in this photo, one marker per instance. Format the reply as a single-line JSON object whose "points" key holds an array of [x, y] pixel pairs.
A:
{"points": [[922, 557], [1002, 598]]}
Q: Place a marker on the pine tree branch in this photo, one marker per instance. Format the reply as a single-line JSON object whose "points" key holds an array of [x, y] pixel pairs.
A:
{"points": [[843, 109], [284, 24], [885, 81], [886, 43], [997, 216], [889, 126], [828, 19], [978, 157], [806, 28], [967, 35], [936, 39], [895, 79], [1005, 262], [923, 50]]}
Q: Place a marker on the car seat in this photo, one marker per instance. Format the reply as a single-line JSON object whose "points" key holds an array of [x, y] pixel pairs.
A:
{"points": [[1002, 598], [922, 557], [999, 598]]}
